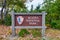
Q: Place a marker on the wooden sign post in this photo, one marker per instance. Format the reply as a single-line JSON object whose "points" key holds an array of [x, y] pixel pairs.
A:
{"points": [[28, 20], [0, 14]]}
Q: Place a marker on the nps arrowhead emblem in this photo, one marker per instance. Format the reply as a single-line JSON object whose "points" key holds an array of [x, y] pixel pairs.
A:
{"points": [[20, 19]]}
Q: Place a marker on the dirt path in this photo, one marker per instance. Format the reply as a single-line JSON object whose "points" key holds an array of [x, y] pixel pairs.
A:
{"points": [[53, 34], [4, 29]]}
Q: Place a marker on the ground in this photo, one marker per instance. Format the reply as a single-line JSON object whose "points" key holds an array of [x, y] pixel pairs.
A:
{"points": [[51, 34]]}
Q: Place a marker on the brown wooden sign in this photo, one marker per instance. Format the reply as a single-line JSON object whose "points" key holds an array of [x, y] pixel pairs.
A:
{"points": [[28, 20]]}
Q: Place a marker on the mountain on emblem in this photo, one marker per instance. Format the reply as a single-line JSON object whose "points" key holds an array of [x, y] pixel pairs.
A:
{"points": [[20, 19]]}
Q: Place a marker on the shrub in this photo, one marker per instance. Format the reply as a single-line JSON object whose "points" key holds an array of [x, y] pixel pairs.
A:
{"points": [[53, 20], [57, 24], [36, 33], [7, 20], [53, 24], [1, 22], [23, 32]]}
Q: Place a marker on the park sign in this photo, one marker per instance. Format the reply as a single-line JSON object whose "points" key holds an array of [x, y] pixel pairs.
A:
{"points": [[28, 20], [0, 14]]}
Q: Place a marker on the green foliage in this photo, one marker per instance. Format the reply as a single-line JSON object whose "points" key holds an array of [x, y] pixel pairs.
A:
{"points": [[21, 10], [8, 20], [36, 33], [23, 33], [19, 3], [1, 22], [53, 20], [53, 17], [55, 24]]}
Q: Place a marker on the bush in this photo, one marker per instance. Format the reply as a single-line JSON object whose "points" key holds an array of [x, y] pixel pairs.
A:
{"points": [[53, 20], [56, 24], [1, 22], [36, 33], [23, 32], [7, 20], [53, 24]]}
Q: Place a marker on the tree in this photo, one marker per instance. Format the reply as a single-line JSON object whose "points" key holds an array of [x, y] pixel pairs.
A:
{"points": [[52, 7], [6, 4]]}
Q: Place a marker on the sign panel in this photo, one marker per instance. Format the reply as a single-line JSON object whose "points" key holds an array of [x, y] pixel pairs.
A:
{"points": [[28, 20]]}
